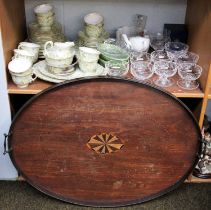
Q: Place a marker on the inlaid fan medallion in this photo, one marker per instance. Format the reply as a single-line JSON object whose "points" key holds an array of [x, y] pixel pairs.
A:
{"points": [[105, 143]]}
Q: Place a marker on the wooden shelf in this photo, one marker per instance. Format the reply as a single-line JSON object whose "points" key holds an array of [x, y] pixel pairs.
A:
{"points": [[33, 88], [40, 85], [194, 179], [179, 92]]}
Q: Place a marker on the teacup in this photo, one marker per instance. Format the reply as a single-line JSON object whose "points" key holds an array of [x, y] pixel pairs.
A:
{"points": [[25, 55], [30, 47], [88, 54], [93, 24], [66, 46], [94, 19], [93, 31], [60, 70], [59, 50], [87, 66], [59, 62], [44, 10], [45, 21], [21, 72]]}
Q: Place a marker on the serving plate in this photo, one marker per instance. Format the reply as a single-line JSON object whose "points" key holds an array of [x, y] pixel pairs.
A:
{"points": [[41, 70], [104, 142]]}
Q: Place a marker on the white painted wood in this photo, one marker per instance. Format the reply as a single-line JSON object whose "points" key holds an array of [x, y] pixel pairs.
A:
{"points": [[7, 170], [117, 13]]}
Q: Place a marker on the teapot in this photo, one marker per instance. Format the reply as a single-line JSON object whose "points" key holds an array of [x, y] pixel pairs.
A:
{"points": [[59, 49]]}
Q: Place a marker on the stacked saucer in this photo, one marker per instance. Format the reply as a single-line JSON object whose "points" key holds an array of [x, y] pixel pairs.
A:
{"points": [[45, 28], [93, 32]]}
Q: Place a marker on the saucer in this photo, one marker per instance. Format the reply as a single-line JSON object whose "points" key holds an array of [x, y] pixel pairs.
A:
{"points": [[41, 71]]}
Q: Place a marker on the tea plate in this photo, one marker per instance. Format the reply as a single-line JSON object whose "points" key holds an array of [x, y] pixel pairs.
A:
{"points": [[40, 69]]}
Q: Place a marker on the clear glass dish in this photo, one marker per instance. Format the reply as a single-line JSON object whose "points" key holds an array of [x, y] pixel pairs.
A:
{"points": [[188, 57], [158, 40], [139, 56], [176, 49], [117, 68], [159, 55], [141, 70], [165, 70], [189, 73]]}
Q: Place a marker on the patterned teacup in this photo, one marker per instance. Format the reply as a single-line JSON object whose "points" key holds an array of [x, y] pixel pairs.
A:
{"points": [[88, 54], [21, 72], [30, 47], [32, 57]]}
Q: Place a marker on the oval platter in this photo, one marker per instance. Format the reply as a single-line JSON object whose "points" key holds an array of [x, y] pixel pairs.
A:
{"points": [[104, 142]]}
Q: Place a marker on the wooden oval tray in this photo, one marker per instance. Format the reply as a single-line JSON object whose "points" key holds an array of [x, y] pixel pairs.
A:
{"points": [[104, 142]]}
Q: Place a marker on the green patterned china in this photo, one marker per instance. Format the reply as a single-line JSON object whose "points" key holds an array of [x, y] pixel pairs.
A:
{"points": [[45, 28], [112, 52], [46, 22], [93, 32]]}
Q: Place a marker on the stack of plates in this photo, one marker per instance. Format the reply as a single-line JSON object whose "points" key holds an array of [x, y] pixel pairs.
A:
{"points": [[110, 52], [84, 40], [41, 71], [39, 35]]}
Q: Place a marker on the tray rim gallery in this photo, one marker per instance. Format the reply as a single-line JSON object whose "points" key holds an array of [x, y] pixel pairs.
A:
{"points": [[107, 79]]}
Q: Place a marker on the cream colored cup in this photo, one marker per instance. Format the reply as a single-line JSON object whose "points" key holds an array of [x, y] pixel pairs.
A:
{"points": [[87, 66], [59, 50], [43, 10], [25, 55], [30, 47], [60, 62], [93, 19], [88, 54], [21, 72]]}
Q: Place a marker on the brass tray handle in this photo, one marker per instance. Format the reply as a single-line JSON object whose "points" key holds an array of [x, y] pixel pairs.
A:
{"points": [[6, 149]]}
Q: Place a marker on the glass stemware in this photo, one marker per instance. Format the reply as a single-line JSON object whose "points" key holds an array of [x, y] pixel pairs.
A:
{"points": [[158, 41], [165, 70], [188, 57], [175, 50], [189, 74], [141, 70], [139, 56], [159, 55], [117, 68]]}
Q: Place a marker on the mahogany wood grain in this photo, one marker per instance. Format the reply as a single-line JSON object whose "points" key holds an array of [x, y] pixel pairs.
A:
{"points": [[159, 142]]}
